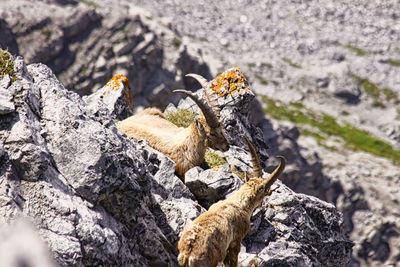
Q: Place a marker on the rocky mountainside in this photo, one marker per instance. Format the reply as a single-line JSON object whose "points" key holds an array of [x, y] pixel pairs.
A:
{"points": [[326, 76], [98, 197]]}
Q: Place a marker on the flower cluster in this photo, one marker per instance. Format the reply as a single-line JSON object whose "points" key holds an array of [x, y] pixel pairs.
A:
{"points": [[229, 82]]}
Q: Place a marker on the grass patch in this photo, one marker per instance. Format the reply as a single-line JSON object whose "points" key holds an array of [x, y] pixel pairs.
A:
{"points": [[291, 63], [7, 65], [211, 160], [241, 175], [89, 3], [390, 94], [354, 49], [261, 79], [83, 71], [46, 32], [393, 62], [379, 95], [353, 138], [181, 117], [177, 42]]}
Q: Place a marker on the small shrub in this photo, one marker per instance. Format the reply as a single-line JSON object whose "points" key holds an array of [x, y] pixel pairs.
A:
{"points": [[211, 160], [46, 32], [7, 65], [181, 117]]}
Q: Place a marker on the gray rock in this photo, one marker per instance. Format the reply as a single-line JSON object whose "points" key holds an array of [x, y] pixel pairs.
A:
{"points": [[211, 185], [6, 104]]}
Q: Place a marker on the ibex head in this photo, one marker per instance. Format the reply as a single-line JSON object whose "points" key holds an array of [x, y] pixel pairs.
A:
{"points": [[215, 135], [258, 187]]}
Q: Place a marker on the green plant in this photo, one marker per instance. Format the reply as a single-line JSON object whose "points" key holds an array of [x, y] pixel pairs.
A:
{"points": [[83, 71], [291, 63], [177, 42], [181, 117], [7, 65], [211, 160], [393, 62], [241, 175], [46, 32], [377, 94], [89, 3], [261, 79], [354, 49]]}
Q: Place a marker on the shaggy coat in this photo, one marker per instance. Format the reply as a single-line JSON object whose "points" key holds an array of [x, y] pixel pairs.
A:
{"points": [[215, 236]]}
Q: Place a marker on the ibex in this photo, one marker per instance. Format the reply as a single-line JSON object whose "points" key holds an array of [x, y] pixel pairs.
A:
{"points": [[215, 236], [185, 146]]}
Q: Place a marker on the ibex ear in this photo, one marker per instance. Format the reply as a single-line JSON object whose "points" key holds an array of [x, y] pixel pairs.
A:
{"points": [[200, 127]]}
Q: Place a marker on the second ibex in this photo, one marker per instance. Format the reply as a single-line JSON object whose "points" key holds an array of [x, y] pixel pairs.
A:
{"points": [[215, 236]]}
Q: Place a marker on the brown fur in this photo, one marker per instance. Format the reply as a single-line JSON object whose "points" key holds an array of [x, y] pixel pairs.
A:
{"points": [[185, 146], [215, 236]]}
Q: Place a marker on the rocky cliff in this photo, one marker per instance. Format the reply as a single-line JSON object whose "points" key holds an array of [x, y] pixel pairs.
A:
{"points": [[96, 197]]}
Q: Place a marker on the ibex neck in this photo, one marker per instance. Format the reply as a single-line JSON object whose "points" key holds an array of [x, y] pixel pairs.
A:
{"points": [[194, 144], [246, 200]]}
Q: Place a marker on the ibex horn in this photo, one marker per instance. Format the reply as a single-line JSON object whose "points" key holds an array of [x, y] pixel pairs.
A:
{"points": [[276, 173], [209, 115], [210, 99], [202, 81], [255, 159]]}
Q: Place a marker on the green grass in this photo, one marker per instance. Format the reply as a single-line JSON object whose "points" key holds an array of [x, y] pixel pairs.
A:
{"points": [[378, 95], [261, 79], [89, 3], [353, 138], [241, 175], [211, 160], [393, 62], [181, 117], [83, 71], [177, 42], [46, 32], [291, 63], [354, 49], [7, 65]]}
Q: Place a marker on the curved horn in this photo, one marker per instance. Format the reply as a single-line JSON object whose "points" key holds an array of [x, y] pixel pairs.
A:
{"points": [[202, 81], [255, 159], [209, 115], [276, 173], [210, 99]]}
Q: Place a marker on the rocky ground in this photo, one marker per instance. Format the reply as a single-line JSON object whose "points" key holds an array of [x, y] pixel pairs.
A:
{"points": [[341, 59]]}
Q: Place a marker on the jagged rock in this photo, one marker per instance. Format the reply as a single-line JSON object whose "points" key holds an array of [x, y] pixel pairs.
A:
{"points": [[87, 190], [6, 104], [114, 97], [211, 185]]}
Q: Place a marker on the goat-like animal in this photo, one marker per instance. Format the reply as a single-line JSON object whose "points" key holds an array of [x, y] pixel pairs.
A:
{"points": [[185, 146], [215, 236]]}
